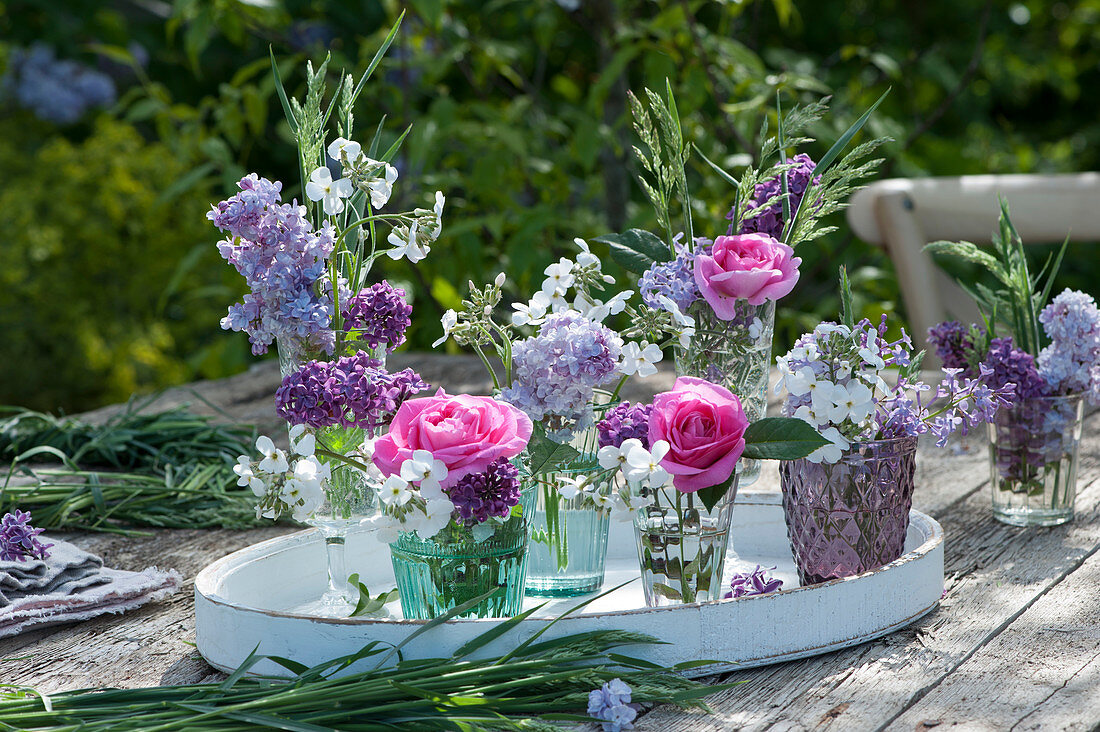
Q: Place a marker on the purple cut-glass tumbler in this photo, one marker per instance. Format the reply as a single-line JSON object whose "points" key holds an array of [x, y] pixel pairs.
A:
{"points": [[849, 517]]}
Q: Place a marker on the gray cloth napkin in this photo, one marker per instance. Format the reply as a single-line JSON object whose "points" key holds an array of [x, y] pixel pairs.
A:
{"points": [[67, 570], [73, 585]]}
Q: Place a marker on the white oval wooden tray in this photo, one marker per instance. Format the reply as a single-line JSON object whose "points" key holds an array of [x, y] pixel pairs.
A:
{"points": [[248, 599]]}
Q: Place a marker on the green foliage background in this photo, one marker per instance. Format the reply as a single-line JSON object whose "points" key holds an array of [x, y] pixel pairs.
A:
{"points": [[111, 280]]}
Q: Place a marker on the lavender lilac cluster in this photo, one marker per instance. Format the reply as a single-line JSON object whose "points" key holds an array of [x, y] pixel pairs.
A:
{"points": [[1007, 364], [59, 91], [380, 315], [756, 582], [623, 422], [353, 391], [273, 246], [675, 278], [611, 705], [771, 221], [492, 493], [557, 370], [1071, 363], [19, 540], [957, 345]]}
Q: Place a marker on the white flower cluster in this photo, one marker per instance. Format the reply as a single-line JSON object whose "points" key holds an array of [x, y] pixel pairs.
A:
{"points": [[833, 382], [293, 484], [630, 469], [412, 500], [414, 233]]}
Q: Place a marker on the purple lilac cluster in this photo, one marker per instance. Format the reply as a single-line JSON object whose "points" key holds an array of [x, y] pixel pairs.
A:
{"points": [[557, 370], [1007, 364], [756, 582], [674, 279], [54, 90], [19, 540], [480, 495], [353, 391], [957, 404], [623, 422], [1071, 363], [379, 314], [955, 345], [281, 258], [771, 221], [611, 705]]}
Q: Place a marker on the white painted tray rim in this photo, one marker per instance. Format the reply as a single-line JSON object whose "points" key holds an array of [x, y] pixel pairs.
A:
{"points": [[742, 633]]}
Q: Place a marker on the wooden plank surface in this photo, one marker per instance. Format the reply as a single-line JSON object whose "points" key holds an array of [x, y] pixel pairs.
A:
{"points": [[1014, 643]]}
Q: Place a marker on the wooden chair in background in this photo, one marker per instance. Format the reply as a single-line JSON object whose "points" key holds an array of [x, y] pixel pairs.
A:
{"points": [[902, 215]]}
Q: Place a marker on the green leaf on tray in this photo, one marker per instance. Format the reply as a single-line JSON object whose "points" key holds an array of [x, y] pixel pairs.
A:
{"points": [[781, 438], [368, 605]]}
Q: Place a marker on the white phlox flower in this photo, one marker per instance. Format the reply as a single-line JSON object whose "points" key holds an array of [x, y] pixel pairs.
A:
{"points": [[799, 382], [384, 527], [570, 486], [618, 303], [274, 460], [642, 464], [640, 359], [756, 329], [449, 321], [380, 188], [404, 241], [559, 276], [533, 312], [245, 476], [586, 258], [859, 401], [321, 187], [424, 469], [437, 514], [827, 400], [611, 457], [395, 491], [343, 149], [302, 444], [558, 301], [832, 452]]}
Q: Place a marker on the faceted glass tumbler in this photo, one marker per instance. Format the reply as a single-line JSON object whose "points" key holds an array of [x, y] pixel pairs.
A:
{"points": [[682, 546], [568, 542], [736, 354], [458, 565], [850, 517], [1033, 450]]}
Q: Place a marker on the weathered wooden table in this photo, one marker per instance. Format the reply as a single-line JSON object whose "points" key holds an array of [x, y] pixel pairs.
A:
{"points": [[1015, 644]]}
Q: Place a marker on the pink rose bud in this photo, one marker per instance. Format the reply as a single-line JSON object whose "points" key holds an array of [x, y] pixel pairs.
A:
{"points": [[465, 432], [704, 426], [753, 267]]}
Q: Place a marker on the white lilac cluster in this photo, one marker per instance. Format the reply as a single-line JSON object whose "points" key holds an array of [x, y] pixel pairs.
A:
{"points": [[285, 484]]}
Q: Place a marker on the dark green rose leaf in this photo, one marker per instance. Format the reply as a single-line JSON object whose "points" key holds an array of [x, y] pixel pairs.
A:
{"points": [[781, 438]]}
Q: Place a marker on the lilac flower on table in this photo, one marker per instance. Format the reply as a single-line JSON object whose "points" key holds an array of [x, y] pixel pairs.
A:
{"points": [[19, 540], [755, 582], [611, 705], [478, 496], [623, 422], [771, 221], [379, 314]]}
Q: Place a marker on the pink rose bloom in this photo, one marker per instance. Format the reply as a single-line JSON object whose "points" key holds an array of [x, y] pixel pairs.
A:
{"points": [[704, 426], [753, 267], [465, 432]]}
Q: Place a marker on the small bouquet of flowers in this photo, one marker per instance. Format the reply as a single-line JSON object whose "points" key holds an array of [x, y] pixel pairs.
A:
{"points": [[729, 285], [450, 503], [1034, 444], [847, 503]]}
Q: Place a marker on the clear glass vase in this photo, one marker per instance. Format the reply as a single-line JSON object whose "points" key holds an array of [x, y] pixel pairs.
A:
{"points": [[736, 354], [682, 546], [461, 563], [849, 517], [568, 542], [349, 496], [1033, 448]]}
